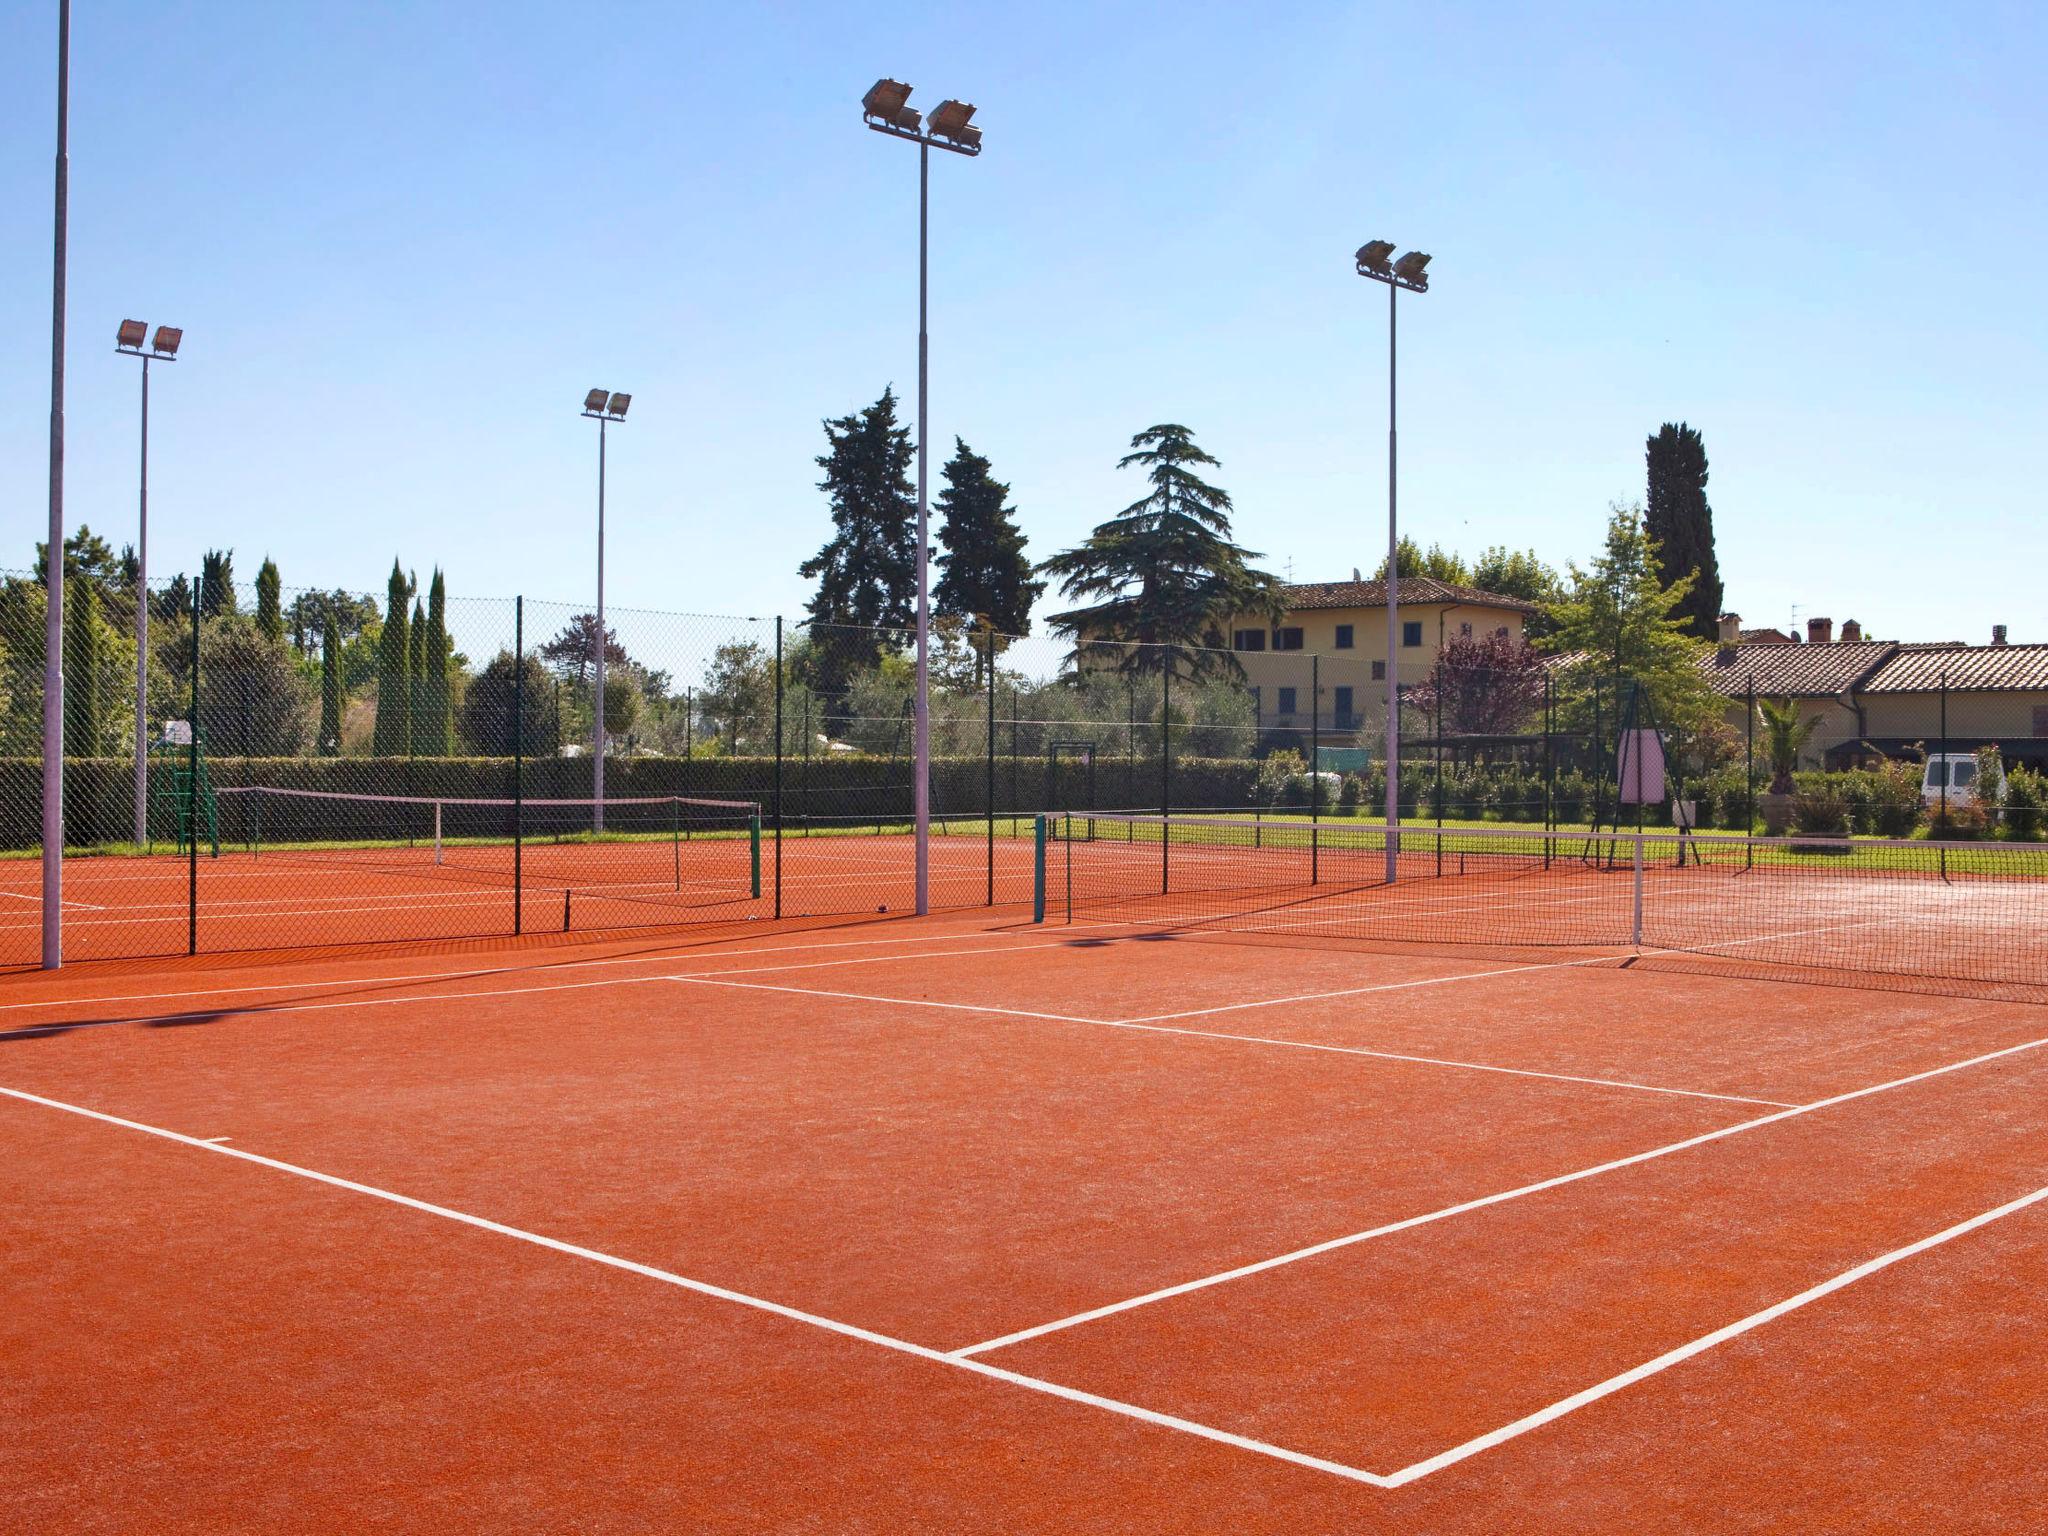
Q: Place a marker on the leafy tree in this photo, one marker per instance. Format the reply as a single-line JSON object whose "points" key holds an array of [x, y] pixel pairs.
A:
{"points": [[486, 716], [253, 701], [269, 611], [174, 601], [330, 688], [306, 617], [1680, 522], [1520, 573], [1163, 572], [90, 558], [737, 699], [982, 571], [1482, 687], [867, 570], [217, 583], [84, 670], [1411, 560], [393, 734], [1619, 620]]}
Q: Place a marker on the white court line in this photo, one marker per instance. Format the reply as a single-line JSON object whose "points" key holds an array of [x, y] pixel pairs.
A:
{"points": [[738, 1298], [1146, 1026], [37, 896], [670, 957], [1331, 1245], [1663, 1362]]}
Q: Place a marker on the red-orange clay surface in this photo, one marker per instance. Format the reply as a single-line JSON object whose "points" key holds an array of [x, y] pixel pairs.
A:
{"points": [[965, 1224]]}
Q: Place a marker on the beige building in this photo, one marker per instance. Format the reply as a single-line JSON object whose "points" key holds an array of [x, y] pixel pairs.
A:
{"points": [[1880, 698], [1343, 626]]}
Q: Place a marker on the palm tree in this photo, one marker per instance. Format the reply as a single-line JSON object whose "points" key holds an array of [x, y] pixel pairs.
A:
{"points": [[1785, 735]]}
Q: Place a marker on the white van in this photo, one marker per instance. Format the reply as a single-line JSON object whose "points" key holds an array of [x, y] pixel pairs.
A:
{"points": [[1958, 771]]}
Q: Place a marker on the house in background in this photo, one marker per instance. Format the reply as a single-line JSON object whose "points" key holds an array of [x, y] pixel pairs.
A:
{"points": [[1343, 625], [1879, 699]]}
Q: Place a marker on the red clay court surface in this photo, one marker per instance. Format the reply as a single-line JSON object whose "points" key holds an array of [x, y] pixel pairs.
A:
{"points": [[962, 1224]]}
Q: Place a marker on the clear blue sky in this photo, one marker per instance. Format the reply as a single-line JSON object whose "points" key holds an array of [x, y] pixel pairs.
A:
{"points": [[404, 240]]}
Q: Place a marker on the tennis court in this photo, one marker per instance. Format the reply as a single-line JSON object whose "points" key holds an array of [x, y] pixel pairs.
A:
{"points": [[1241, 1205]]}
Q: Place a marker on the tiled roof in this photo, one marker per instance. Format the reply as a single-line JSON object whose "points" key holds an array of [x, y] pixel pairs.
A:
{"points": [[1765, 637], [1920, 668], [1780, 670], [1410, 589]]}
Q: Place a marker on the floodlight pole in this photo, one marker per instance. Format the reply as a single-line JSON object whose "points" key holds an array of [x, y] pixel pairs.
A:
{"points": [[142, 608], [53, 566], [597, 732], [1407, 273], [921, 742]]}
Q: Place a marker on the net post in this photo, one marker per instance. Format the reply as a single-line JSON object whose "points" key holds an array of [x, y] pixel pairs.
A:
{"points": [[1749, 780], [1038, 869], [1165, 766], [990, 766], [1315, 768], [1636, 926], [675, 840], [778, 779]]}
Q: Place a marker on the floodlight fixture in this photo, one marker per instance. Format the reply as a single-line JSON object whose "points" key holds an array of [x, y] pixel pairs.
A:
{"points": [[949, 121], [129, 337], [616, 409], [594, 402], [885, 98], [1372, 258], [165, 343], [1409, 271]]}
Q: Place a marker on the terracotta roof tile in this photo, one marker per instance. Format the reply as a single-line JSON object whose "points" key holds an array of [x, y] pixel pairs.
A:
{"points": [[1919, 668], [1779, 670]]}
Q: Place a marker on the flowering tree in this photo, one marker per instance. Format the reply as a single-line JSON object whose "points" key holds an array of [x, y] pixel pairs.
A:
{"points": [[1482, 687]]}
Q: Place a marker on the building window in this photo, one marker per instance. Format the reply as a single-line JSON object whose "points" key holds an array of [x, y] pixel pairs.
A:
{"points": [[1286, 701], [1411, 634], [1343, 637], [1256, 703], [1287, 639], [1344, 720], [1248, 640], [1379, 671], [1501, 633], [2041, 719], [1464, 631]]}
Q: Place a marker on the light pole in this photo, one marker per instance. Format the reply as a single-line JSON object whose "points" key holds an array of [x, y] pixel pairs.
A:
{"points": [[163, 348], [885, 109], [604, 408], [53, 568], [1407, 273]]}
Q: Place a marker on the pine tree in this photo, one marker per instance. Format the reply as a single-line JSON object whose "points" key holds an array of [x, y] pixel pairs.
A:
{"points": [[393, 732], [84, 669], [1680, 522], [439, 719], [867, 570], [416, 670], [1163, 572], [269, 608], [983, 573], [1619, 620], [330, 689]]}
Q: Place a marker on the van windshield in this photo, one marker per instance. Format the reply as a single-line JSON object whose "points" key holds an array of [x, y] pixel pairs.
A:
{"points": [[1965, 773], [1937, 774]]}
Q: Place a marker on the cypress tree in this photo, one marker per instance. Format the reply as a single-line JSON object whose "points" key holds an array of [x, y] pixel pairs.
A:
{"points": [[217, 583], [393, 733], [440, 715], [330, 689], [1164, 572], [867, 571], [983, 573], [416, 669], [1681, 523], [269, 608], [84, 669]]}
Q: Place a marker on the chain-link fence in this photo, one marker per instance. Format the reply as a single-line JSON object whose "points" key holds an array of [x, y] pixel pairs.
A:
{"points": [[339, 767]]}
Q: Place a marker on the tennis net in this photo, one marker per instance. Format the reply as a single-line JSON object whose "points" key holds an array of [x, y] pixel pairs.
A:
{"points": [[1963, 912], [651, 843]]}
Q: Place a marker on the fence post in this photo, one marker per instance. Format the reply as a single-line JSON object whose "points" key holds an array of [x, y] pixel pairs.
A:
{"points": [[1037, 868], [1749, 780], [1947, 773], [990, 774], [778, 766], [519, 761], [1315, 767], [1165, 764], [191, 771], [1549, 766]]}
